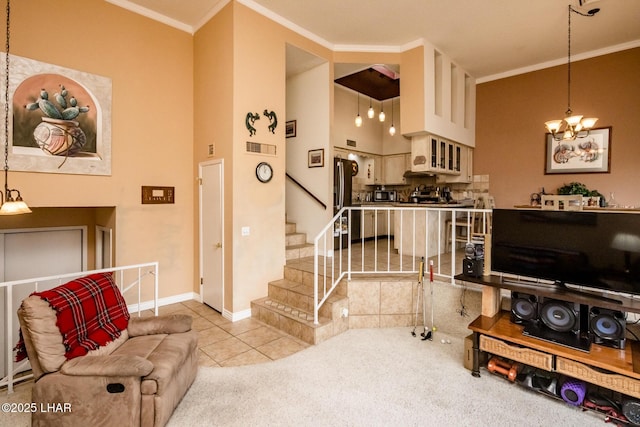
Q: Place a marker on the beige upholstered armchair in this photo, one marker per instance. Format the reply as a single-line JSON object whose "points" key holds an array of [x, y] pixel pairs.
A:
{"points": [[136, 379]]}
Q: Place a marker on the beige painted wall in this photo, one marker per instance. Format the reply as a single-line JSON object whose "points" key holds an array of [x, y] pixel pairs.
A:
{"points": [[151, 69], [248, 52], [510, 132], [213, 119]]}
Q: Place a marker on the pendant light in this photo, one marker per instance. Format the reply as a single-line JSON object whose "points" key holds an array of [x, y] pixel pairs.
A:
{"points": [[10, 206], [381, 116], [358, 118], [392, 129], [370, 112], [572, 126]]}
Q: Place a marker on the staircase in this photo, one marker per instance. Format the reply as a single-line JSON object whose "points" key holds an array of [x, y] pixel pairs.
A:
{"points": [[288, 305]]}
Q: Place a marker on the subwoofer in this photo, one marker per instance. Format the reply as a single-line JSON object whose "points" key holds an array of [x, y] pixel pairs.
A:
{"points": [[607, 327], [524, 308], [560, 316], [561, 322]]}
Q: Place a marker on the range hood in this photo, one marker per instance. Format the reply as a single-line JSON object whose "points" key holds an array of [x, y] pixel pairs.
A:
{"points": [[412, 174]]}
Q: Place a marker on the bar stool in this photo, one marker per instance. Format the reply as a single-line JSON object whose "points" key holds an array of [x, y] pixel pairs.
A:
{"points": [[463, 227]]}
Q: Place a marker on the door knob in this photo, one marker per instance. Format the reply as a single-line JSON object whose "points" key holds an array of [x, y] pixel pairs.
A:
{"points": [[218, 245]]}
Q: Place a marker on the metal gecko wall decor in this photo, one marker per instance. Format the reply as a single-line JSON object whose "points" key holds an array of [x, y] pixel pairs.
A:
{"points": [[251, 118]]}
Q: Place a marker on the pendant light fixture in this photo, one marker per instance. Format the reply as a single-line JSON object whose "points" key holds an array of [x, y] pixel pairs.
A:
{"points": [[358, 118], [381, 116], [572, 126], [370, 112], [10, 206], [392, 129]]}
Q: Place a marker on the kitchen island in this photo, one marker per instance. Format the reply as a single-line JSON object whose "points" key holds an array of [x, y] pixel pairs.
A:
{"points": [[423, 227]]}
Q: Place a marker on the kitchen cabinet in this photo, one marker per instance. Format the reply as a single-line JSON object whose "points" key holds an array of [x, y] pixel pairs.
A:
{"points": [[378, 178], [430, 153], [369, 224], [371, 170], [463, 165], [393, 168], [382, 226]]}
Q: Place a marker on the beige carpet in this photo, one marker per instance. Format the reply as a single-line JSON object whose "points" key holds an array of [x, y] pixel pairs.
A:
{"points": [[369, 377]]}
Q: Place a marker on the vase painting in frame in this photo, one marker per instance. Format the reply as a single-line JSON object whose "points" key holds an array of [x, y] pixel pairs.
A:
{"points": [[60, 119]]}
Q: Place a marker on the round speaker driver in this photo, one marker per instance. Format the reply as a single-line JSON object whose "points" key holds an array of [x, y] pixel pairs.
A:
{"points": [[524, 309], [558, 316], [606, 326]]}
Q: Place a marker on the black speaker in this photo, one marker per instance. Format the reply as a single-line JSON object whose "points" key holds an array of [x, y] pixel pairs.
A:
{"points": [[560, 316], [607, 327], [561, 322], [473, 267], [524, 308]]}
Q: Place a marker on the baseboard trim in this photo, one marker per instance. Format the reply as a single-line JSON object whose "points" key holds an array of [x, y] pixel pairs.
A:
{"points": [[234, 317], [188, 296], [148, 305]]}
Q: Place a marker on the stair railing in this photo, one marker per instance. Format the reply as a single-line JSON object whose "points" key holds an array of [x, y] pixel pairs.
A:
{"points": [[390, 240], [303, 188]]}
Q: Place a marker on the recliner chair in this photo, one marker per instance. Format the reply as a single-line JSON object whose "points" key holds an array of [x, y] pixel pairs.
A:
{"points": [[136, 380]]}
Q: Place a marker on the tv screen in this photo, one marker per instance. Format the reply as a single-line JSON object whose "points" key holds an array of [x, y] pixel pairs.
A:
{"points": [[593, 249]]}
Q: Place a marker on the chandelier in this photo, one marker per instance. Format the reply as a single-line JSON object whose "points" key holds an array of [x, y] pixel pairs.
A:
{"points": [[572, 126]]}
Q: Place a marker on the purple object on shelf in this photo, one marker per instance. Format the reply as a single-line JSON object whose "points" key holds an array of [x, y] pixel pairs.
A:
{"points": [[573, 391]]}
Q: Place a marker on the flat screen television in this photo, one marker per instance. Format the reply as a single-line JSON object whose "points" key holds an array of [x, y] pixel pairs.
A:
{"points": [[592, 249]]}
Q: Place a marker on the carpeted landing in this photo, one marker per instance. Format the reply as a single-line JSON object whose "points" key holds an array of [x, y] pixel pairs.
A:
{"points": [[369, 377]]}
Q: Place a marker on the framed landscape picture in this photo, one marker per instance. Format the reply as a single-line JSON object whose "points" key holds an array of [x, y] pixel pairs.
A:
{"points": [[290, 128], [588, 154], [316, 158]]}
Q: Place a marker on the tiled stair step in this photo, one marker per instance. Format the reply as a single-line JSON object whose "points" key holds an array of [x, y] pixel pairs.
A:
{"points": [[292, 320], [299, 251], [295, 239], [305, 276], [290, 227], [300, 297]]}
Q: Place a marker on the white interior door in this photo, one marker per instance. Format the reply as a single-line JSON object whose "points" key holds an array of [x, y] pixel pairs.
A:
{"points": [[211, 234]]}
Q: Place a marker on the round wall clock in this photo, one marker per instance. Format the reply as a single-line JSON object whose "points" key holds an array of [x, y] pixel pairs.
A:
{"points": [[264, 172]]}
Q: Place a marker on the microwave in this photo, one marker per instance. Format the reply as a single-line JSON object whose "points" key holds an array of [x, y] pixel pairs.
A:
{"points": [[384, 196]]}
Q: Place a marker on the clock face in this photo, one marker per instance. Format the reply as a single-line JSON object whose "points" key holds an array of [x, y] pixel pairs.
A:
{"points": [[264, 172]]}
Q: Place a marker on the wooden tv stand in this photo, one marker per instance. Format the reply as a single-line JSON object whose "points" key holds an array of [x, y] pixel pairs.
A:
{"points": [[493, 332]]}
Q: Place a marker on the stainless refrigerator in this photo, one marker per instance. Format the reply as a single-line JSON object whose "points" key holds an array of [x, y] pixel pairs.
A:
{"points": [[342, 190]]}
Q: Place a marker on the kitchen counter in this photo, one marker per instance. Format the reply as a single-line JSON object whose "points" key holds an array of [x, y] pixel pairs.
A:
{"points": [[586, 208], [416, 205]]}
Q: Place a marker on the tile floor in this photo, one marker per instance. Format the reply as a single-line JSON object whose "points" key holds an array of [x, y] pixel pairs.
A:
{"points": [[225, 343]]}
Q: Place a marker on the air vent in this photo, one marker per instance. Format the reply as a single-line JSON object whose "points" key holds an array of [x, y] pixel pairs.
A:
{"points": [[351, 143], [257, 147]]}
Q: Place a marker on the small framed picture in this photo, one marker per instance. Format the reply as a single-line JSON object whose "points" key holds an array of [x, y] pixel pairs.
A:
{"points": [[290, 129], [316, 158], [588, 154]]}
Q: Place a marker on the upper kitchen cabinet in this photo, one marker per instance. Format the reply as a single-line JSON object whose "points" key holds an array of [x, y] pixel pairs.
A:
{"points": [[438, 96], [394, 168], [433, 154], [463, 167]]}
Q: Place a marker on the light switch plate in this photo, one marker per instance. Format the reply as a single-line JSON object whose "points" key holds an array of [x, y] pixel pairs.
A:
{"points": [[153, 195]]}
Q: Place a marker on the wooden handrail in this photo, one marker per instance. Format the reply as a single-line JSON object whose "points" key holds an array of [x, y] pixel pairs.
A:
{"points": [[306, 191]]}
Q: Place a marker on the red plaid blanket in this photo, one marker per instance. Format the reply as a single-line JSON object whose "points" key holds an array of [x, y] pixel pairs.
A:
{"points": [[91, 312]]}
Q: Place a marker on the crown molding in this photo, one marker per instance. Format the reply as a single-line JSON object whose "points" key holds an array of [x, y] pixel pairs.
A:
{"points": [[125, 4], [562, 61]]}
